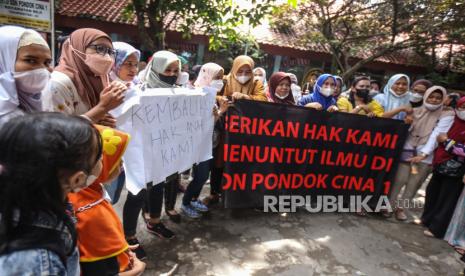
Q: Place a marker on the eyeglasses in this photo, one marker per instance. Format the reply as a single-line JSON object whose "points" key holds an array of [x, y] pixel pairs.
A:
{"points": [[102, 50]]}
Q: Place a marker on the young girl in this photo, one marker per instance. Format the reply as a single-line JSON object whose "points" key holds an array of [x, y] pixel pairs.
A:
{"points": [[322, 96], [102, 245], [25, 61], [43, 157]]}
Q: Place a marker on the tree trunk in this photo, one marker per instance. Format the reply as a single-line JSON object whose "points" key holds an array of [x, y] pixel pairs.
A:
{"points": [[153, 36]]}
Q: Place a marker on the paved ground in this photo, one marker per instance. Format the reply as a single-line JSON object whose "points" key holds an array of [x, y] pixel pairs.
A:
{"points": [[297, 244]]}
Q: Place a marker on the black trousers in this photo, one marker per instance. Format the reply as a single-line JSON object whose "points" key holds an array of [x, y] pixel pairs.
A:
{"points": [[441, 198], [104, 267], [216, 176], [151, 200]]}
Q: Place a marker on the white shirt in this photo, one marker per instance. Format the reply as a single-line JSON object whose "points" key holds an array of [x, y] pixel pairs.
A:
{"points": [[61, 96], [442, 126]]}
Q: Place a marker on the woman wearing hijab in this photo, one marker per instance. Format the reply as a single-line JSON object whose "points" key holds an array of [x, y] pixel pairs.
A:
{"points": [[295, 88], [280, 89], [125, 71], [359, 100], [395, 97], [240, 83], [260, 74], [80, 84], [429, 120], [210, 75], [161, 72], [126, 63], [446, 185], [322, 96], [339, 87], [25, 67], [418, 89]]}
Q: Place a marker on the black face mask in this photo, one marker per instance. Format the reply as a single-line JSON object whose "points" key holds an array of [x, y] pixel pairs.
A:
{"points": [[420, 103], [168, 79], [362, 93]]}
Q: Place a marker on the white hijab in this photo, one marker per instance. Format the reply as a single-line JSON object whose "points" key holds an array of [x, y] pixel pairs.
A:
{"points": [[390, 100], [11, 39]]}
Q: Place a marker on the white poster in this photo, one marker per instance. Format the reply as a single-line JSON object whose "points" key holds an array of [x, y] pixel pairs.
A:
{"points": [[171, 129], [34, 14]]}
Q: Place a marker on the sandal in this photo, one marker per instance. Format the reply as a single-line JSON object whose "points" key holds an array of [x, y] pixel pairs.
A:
{"points": [[460, 250]]}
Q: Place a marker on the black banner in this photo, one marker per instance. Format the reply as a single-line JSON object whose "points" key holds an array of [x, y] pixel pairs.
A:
{"points": [[275, 149]]}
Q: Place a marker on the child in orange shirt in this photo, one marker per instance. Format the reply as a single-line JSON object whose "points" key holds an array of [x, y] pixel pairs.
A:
{"points": [[102, 245]]}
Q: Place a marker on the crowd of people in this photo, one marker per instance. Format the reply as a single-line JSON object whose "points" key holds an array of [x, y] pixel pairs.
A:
{"points": [[60, 149]]}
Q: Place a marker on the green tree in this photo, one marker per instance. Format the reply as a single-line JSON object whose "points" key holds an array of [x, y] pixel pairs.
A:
{"points": [[218, 19], [357, 32]]}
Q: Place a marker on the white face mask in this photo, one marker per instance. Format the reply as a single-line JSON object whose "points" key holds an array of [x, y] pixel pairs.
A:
{"points": [[432, 107], [243, 79], [217, 84], [374, 92], [183, 78], [327, 91], [416, 97], [32, 82], [460, 114], [397, 95], [281, 97]]}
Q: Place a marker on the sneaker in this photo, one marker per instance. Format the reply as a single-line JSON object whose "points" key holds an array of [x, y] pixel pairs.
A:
{"points": [[428, 233], [199, 206], [190, 211], [400, 215], [140, 252], [160, 230]]}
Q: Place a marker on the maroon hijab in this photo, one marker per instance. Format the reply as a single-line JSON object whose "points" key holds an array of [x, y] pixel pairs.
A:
{"points": [[456, 132], [87, 84], [275, 79]]}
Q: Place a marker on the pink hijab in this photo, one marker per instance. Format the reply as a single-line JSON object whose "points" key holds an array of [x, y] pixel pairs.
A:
{"points": [[87, 84], [207, 73]]}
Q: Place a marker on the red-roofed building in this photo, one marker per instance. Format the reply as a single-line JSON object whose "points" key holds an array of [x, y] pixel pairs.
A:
{"points": [[285, 51]]}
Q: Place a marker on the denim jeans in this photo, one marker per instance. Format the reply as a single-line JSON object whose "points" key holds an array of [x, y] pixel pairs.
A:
{"points": [[201, 174], [38, 262]]}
